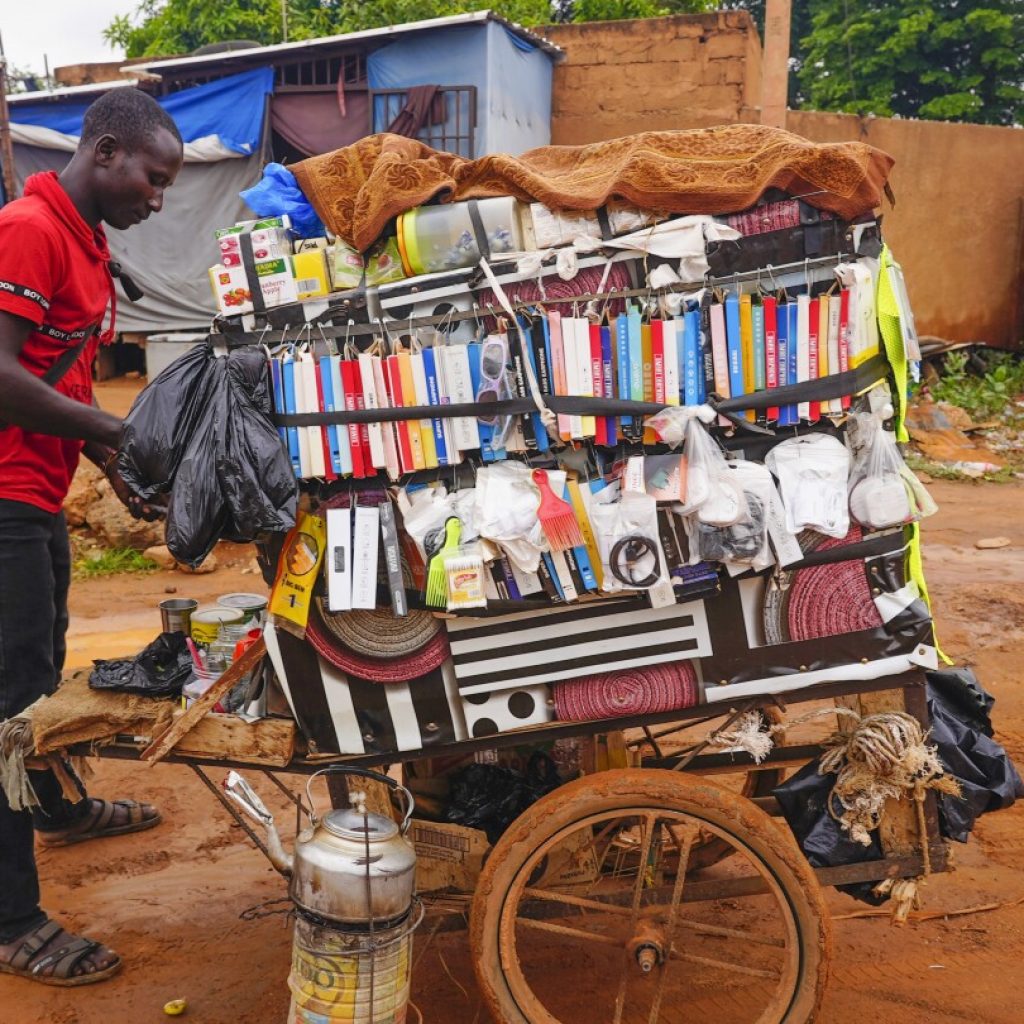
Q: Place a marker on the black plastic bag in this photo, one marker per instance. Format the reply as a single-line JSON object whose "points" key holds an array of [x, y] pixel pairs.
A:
{"points": [[202, 431], [161, 670], [804, 801], [961, 731], [161, 421], [988, 780], [256, 475], [197, 514], [490, 797]]}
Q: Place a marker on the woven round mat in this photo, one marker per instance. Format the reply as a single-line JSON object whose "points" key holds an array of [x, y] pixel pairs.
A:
{"points": [[828, 600], [377, 645], [636, 691]]}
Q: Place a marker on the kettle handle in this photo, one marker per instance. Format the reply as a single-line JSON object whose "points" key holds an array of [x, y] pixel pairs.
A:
{"points": [[365, 773]]}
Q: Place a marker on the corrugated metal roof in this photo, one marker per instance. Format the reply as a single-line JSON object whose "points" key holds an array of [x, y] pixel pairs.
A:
{"points": [[304, 46], [68, 91]]}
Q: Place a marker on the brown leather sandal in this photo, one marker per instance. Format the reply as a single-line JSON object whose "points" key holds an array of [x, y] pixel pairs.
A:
{"points": [[34, 957], [97, 824]]}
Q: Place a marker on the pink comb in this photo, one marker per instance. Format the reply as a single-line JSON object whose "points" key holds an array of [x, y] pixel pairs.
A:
{"points": [[556, 516]]}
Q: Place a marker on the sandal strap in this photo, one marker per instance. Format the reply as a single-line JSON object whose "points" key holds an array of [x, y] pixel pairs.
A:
{"points": [[36, 941], [103, 816], [66, 959]]}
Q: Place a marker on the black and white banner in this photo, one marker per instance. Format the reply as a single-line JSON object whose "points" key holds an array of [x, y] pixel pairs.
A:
{"points": [[533, 647], [345, 715]]}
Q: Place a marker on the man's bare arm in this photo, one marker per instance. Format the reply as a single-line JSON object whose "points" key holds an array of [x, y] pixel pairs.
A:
{"points": [[29, 403]]}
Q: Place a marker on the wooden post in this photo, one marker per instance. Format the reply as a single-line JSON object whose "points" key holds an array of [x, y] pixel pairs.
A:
{"points": [[6, 146], [775, 63]]}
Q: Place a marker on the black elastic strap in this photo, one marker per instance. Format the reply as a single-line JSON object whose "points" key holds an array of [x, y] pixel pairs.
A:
{"points": [[883, 544], [822, 389], [478, 229], [59, 368], [249, 262], [63, 363], [604, 223]]}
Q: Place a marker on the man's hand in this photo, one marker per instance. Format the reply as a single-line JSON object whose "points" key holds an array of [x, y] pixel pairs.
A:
{"points": [[139, 509]]}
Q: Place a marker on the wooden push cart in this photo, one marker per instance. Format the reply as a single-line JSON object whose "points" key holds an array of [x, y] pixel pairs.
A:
{"points": [[662, 892]]}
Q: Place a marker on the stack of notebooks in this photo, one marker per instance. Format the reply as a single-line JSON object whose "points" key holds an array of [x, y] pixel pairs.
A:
{"points": [[729, 345]]}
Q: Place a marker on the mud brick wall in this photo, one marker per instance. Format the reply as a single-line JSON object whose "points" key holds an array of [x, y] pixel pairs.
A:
{"points": [[686, 71]]}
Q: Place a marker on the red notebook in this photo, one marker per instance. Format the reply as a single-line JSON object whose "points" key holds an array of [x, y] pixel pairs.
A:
{"points": [[348, 383], [771, 351], [394, 382], [813, 408], [597, 369]]}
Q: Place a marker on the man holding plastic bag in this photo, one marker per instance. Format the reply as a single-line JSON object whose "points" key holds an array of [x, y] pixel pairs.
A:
{"points": [[56, 285]]}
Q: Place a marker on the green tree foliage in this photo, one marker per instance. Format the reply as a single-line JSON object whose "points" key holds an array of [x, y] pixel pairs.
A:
{"points": [[161, 27], [960, 60], [945, 60]]}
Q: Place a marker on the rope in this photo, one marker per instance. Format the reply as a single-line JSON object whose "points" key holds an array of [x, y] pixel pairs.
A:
{"points": [[885, 757]]}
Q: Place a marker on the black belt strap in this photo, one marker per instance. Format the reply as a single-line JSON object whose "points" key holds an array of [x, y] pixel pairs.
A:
{"points": [[478, 229], [822, 389], [249, 263]]}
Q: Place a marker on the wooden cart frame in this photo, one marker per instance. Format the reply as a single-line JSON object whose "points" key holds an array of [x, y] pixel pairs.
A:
{"points": [[668, 793]]}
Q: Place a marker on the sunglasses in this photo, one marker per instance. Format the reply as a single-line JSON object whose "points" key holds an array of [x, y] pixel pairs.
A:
{"points": [[494, 359]]}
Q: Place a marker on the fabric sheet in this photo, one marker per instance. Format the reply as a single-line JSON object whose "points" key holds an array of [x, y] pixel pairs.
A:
{"points": [[313, 123], [358, 189]]}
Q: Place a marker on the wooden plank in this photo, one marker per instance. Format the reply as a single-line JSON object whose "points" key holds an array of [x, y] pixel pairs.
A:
{"points": [[268, 741], [163, 744]]}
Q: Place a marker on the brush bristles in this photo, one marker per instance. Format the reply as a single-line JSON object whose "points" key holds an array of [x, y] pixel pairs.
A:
{"points": [[562, 531]]}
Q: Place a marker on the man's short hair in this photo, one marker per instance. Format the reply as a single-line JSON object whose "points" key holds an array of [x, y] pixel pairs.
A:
{"points": [[130, 115]]}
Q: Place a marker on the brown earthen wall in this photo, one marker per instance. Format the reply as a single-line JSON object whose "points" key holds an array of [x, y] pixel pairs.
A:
{"points": [[958, 224], [619, 77]]}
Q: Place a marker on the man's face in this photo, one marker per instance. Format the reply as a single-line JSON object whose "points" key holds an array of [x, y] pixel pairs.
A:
{"points": [[130, 186]]}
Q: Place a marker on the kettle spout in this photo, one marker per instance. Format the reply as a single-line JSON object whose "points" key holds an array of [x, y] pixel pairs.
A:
{"points": [[239, 792]]}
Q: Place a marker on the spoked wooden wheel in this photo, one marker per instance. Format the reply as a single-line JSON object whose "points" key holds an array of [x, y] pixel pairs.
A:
{"points": [[588, 910]]}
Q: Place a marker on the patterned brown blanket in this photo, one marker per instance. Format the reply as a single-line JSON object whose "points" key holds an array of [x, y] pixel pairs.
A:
{"points": [[358, 189]]}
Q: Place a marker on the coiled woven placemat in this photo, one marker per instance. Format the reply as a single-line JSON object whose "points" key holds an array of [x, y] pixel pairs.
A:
{"points": [[822, 600], [636, 691]]}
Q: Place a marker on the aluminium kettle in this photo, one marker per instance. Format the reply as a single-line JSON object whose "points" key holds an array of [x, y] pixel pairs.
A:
{"points": [[351, 866]]}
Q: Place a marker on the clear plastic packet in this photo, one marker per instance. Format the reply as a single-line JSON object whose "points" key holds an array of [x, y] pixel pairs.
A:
{"points": [[883, 491], [628, 540], [424, 513], [466, 577], [505, 512], [813, 474]]}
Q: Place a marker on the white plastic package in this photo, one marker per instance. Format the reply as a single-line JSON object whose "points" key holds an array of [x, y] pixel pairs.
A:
{"points": [[883, 491], [627, 539], [813, 474], [505, 512]]}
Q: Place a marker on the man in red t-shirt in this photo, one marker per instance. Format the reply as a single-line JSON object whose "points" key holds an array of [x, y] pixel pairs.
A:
{"points": [[57, 305]]}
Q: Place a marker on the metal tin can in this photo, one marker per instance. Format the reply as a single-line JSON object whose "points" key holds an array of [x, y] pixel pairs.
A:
{"points": [[252, 606], [206, 621], [176, 614]]}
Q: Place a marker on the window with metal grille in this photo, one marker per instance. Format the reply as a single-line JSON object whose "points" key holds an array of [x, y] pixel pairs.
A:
{"points": [[452, 127]]}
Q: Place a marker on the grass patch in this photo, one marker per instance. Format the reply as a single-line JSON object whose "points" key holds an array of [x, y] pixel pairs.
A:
{"points": [[111, 562], [982, 395], [940, 471]]}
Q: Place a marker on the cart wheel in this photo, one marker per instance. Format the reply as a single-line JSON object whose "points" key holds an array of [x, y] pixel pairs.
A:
{"points": [[589, 909]]}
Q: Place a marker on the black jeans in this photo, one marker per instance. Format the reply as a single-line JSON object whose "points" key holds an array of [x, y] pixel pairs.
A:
{"points": [[35, 572]]}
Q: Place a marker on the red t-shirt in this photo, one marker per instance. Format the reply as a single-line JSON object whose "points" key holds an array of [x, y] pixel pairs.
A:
{"points": [[53, 273]]}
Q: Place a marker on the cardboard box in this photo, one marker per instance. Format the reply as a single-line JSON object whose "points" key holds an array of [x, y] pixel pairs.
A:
{"points": [[233, 291], [452, 857], [270, 240], [447, 856]]}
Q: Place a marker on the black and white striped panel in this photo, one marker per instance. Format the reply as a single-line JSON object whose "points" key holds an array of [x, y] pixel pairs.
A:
{"points": [[346, 715], [564, 643]]}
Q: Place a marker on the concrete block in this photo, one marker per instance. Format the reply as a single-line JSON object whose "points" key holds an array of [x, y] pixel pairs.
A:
{"points": [[726, 44]]}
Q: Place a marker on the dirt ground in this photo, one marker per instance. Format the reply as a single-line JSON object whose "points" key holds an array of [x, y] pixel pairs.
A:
{"points": [[177, 902]]}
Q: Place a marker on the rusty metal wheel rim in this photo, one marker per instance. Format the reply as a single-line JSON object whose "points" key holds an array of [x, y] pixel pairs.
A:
{"points": [[693, 826]]}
